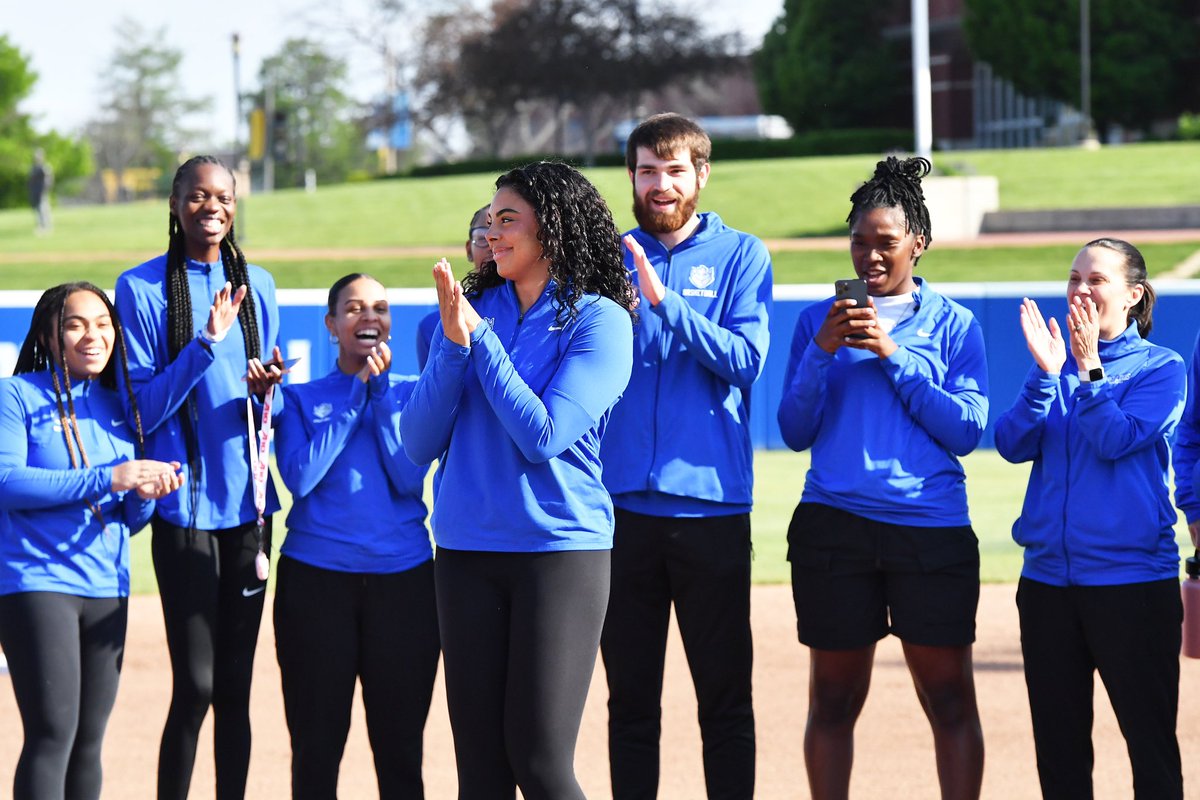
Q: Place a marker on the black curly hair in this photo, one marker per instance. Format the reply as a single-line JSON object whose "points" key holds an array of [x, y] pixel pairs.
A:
{"points": [[37, 355], [896, 184], [578, 237]]}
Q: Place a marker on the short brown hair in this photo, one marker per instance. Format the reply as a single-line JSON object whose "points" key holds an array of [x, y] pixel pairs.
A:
{"points": [[666, 135]]}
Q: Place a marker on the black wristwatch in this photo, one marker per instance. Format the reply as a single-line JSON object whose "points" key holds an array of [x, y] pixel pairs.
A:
{"points": [[1091, 375]]}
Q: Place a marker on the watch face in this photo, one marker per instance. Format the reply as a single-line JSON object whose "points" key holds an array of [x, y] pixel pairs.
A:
{"points": [[1096, 374]]}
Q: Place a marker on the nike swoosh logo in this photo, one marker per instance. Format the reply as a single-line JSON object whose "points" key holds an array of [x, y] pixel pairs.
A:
{"points": [[118, 422], [924, 334], [252, 592], [556, 327]]}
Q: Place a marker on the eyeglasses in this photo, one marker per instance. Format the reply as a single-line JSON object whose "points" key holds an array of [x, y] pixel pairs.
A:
{"points": [[479, 239]]}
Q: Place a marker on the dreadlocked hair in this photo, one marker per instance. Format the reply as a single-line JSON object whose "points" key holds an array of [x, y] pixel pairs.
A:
{"points": [[578, 237], [37, 355], [896, 184]]}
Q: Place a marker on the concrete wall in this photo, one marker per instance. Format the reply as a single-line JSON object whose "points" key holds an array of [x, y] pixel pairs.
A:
{"points": [[1092, 219]]}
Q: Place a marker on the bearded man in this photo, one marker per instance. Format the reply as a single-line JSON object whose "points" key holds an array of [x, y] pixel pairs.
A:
{"points": [[679, 465]]}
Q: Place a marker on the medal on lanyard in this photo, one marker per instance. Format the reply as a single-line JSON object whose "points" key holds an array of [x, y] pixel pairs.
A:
{"points": [[260, 448]]}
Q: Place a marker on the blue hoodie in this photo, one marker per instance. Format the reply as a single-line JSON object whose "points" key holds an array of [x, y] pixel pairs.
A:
{"points": [[886, 433], [357, 498], [212, 374], [1186, 454], [519, 415], [679, 441], [50, 539], [1097, 510]]}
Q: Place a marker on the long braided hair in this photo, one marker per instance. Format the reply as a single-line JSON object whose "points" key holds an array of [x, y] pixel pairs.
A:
{"points": [[37, 355], [896, 184], [578, 236], [179, 306]]}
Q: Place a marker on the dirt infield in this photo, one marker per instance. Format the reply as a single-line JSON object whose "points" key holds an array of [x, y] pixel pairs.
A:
{"points": [[894, 746]]}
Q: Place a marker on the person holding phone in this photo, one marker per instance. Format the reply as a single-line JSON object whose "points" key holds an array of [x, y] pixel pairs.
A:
{"points": [[1099, 589], [198, 319], [888, 396]]}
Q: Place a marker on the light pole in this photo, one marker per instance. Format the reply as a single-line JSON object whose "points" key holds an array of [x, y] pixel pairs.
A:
{"points": [[921, 81], [236, 42], [1089, 140]]}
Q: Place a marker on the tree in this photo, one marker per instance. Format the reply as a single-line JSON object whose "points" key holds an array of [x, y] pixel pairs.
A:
{"points": [[309, 88], [143, 121], [585, 60], [70, 158], [821, 67], [1145, 53]]}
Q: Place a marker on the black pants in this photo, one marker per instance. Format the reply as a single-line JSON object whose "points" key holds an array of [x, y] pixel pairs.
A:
{"points": [[333, 628], [703, 566], [1130, 634], [64, 655], [519, 638], [212, 604]]}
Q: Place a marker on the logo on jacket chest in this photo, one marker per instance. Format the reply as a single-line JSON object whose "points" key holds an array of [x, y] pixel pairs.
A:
{"points": [[701, 277], [321, 411]]}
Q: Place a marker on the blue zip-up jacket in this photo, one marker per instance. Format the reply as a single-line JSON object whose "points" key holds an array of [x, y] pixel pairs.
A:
{"points": [[425, 328], [886, 433], [519, 416], [679, 440], [1097, 510], [212, 374], [357, 503], [50, 540], [1186, 455]]}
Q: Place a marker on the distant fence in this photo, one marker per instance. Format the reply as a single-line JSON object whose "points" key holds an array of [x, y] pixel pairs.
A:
{"points": [[302, 312]]}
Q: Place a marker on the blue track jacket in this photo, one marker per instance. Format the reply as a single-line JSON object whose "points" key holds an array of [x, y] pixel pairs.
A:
{"points": [[50, 541], [357, 498], [213, 375], [1097, 510], [1186, 454], [681, 433], [519, 416], [886, 433]]}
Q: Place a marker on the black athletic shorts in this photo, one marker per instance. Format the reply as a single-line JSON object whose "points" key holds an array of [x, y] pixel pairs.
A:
{"points": [[854, 580]]}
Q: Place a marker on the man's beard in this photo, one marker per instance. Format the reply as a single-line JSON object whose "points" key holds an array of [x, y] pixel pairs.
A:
{"points": [[653, 221]]}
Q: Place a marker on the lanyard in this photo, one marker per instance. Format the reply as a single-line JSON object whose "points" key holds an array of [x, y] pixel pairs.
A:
{"points": [[260, 448]]}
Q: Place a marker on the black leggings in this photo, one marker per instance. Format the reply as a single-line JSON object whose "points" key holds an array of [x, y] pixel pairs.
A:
{"points": [[520, 633], [64, 655], [212, 604], [332, 628]]}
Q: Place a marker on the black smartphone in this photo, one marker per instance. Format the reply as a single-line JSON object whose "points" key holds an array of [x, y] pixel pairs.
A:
{"points": [[854, 289]]}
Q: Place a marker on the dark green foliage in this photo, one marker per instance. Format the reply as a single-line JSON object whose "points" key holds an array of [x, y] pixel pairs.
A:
{"points": [[824, 66], [1145, 53], [69, 158]]}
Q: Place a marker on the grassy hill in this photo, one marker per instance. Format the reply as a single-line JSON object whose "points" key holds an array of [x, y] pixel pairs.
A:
{"points": [[774, 199]]}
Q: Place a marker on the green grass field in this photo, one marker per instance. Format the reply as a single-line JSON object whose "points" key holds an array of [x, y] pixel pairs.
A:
{"points": [[994, 486], [781, 198]]}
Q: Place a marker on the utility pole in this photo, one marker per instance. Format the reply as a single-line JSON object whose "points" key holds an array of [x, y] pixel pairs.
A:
{"points": [[921, 81]]}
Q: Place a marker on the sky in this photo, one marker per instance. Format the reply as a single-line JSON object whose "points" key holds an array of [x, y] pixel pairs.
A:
{"points": [[69, 43]]}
